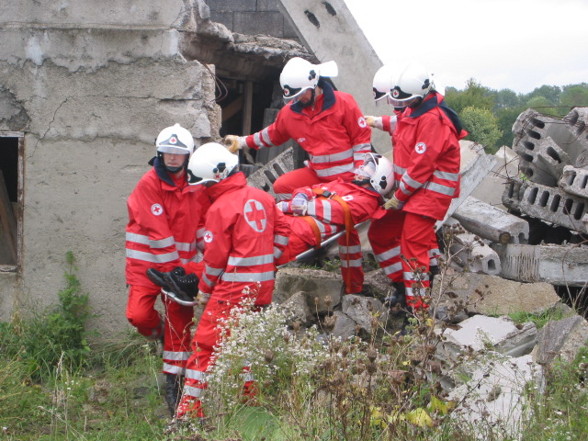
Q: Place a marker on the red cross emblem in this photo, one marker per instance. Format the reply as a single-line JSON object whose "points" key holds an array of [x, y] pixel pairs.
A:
{"points": [[156, 209], [255, 215]]}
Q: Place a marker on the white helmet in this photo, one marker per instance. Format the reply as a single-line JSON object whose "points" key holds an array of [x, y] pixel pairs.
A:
{"points": [[380, 172], [211, 162], [384, 81], [414, 83], [299, 75], [175, 139]]}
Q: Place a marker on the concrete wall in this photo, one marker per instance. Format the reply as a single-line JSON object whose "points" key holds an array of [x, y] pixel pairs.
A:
{"points": [[252, 17], [97, 81]]}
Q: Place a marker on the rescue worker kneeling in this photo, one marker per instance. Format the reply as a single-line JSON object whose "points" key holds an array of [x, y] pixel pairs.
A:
{"points": [[318, 212], [244, 234]]}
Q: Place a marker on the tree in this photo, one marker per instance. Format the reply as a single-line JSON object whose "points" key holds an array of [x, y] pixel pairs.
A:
{"points": [[475, 95], [574, 96], [542, 105], [506, 98], [482, 126]]}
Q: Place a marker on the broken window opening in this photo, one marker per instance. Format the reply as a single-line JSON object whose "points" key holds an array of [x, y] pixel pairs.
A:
{"points": [[11, 170]]}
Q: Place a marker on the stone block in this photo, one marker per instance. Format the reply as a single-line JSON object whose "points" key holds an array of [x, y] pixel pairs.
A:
{"points": [[267, 175], [506, 168], [561, 339], [471, 253], [541, 160], [554, 264], [574, 181], [550, 204], [322, 289], [367, 312], [491, 295], [491, 223]]}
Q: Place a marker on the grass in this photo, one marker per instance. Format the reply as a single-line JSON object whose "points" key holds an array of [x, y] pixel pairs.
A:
{"points": [[313, 387]]}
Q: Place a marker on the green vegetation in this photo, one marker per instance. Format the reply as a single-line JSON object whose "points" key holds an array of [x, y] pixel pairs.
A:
{"points": [[311, 386], [487, 113]]}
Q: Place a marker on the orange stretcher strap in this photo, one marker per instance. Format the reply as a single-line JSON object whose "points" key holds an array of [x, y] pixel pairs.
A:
{"points": [[315, 229]]}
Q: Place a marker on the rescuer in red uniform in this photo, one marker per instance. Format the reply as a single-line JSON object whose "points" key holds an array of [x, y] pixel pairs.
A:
{"points": [[165, 223], [425, 138], [244, 234], [327, 124]]}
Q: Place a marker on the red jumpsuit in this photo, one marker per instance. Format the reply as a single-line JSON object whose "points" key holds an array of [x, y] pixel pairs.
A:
{"points": [[163, 229], [245, 233], [426, 168], [333, 132], [329, 216]]}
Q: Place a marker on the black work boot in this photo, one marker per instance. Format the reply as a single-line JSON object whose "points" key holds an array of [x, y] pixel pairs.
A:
{"points": [[160, 279], [173, 391], [182, 287]]}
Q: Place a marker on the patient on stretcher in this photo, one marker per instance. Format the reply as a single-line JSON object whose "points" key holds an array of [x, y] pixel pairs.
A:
{"points": [[319, 212]]}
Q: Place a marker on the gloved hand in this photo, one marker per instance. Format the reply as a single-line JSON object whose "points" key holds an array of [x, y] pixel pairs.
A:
{"points": [[393, 204], [284, 206], [374, 121], [234, 142], [299, 204], [202, 298]]}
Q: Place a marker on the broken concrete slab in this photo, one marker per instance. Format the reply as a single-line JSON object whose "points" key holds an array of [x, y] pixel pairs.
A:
{"points": [[492, 295], [542, 160], [474, 255], [367, 312], [561, 339], [491, 223], [574, 181], [547, 203], [493, 403], [554, 264], [265, 177], [321, 288], [475, 165], [491, 188]]}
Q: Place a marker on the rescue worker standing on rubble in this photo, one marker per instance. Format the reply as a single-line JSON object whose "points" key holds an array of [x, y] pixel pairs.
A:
{"points": [[426, 155], [327, 124], [164, 221], [336, 207], [244, 234]]}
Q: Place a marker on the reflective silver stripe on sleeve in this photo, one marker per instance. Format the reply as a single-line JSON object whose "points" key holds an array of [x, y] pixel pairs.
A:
{"points": [[331, 171], [186, 246], [153, 258], [144, 240], [281, 240], [249, 261], [419, 277], [438, 188], [413, 183], [248, 277], [277, 253], [324, 159], [361, 148], [399, 170], [403, 189], [213, 271], [446, 175]]}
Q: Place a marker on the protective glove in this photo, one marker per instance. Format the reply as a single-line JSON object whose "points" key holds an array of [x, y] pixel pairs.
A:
{"points": [[202, 298], [374, 121], [284, 206], [393, 204], [234, 142], [299, 204]]}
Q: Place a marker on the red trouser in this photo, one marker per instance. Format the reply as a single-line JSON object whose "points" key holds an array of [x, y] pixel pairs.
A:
{"points": [[206, 337], [350, 254], [402, 243], [176, 329], [288, 182]]}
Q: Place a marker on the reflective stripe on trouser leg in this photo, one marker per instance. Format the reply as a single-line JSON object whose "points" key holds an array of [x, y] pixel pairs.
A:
{"points": [[351, 262], [415, 245], [177, 336], [384, 237]]}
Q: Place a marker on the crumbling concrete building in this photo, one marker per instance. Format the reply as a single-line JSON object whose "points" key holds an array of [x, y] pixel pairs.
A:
{"points": [[84, 89]]}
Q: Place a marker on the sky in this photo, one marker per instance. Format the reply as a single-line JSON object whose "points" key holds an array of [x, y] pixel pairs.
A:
{"points": [[501, 44]]}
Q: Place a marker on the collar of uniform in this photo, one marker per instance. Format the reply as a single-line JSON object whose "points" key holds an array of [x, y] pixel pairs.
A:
{"points": [[429, 103], [162, 173], [233, 182]]}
